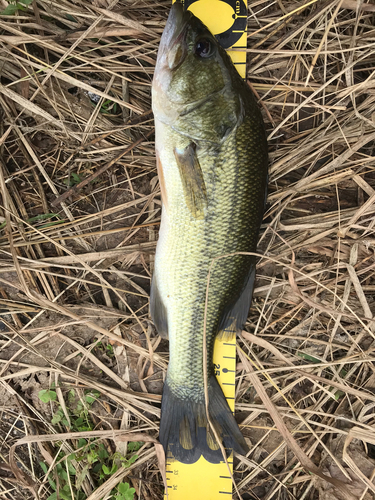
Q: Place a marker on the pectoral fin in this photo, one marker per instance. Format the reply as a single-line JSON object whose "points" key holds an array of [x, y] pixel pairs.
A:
{"points": [[158, 310], [163, 189], [192, 180]]}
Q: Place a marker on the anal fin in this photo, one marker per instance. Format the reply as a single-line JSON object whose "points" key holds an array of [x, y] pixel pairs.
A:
{"points": [[192, 180], [235, 315]]}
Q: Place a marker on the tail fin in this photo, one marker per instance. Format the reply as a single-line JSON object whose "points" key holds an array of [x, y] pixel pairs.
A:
{"points": [[185, 432]]}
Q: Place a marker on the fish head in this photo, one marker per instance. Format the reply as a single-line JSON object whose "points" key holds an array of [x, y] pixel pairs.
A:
{"points": [[195, 87]]}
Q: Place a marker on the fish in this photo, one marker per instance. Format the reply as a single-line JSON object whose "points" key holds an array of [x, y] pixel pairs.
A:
{"points": [[212, 164]]}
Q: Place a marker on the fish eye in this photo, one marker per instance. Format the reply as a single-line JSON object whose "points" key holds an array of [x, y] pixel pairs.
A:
{"points": [[203, 48]]}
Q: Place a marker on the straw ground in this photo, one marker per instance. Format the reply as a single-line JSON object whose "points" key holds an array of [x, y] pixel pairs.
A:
{"points": [[79, 216]]}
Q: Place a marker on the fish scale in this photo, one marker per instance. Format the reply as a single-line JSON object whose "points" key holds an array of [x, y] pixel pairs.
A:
{"points": [[191, 245]]}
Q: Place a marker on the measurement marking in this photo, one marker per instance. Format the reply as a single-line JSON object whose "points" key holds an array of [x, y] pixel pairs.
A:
{"points": [[238, 31], [229, 398], [225, 343], [225, 370], [230, 357], [225, 477], [169, 486], [227, 383], [239, 63], [225, 492], [169, 471]]}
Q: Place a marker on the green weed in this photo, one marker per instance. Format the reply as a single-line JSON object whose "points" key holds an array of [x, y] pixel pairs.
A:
{"points": [[14, 6], [91, 456], [107, 348], [73, 180]]}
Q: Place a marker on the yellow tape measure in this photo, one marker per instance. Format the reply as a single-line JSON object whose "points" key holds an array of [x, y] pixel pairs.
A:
{"points": [[227, 20]]}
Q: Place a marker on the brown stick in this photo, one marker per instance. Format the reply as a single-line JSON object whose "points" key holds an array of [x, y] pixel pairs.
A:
{"points": [[105, 167]]}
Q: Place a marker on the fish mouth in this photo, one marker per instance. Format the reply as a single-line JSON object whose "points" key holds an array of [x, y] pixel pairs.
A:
{"points": [[172, 48]]}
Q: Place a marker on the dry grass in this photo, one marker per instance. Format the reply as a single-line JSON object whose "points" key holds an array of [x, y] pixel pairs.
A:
{"points": [[82, 275]]}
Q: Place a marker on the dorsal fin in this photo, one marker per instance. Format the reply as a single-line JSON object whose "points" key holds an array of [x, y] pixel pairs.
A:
{"points": [[192, 180]]}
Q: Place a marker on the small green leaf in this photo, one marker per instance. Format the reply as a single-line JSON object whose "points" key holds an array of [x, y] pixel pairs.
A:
{"points": [[106, 469], [70, 18], [10, 10], [130, 494], [64, 475], [339, 395], [56, 419], [103, 453], [97, 469], [65, 493], [81, 476], [307, 357], [46, 396], [82, 442], [126, 492], [123, 488], [109, 471], [79, 408], [134, 445], [53, 496], [129, 461], [92, 457], [72, 180], [52, 483], [41, 217], [44, 467], [71, 468], [76, 178]]}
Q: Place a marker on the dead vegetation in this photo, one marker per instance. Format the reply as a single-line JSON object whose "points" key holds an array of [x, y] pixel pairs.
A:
{"points": [[79, 215]]}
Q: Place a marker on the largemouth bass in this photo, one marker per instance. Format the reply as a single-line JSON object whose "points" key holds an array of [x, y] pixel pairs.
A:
{"points": [[212, 164]]}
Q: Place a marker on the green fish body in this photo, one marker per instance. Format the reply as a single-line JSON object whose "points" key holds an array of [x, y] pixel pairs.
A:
{"points": [[212, 163]]}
